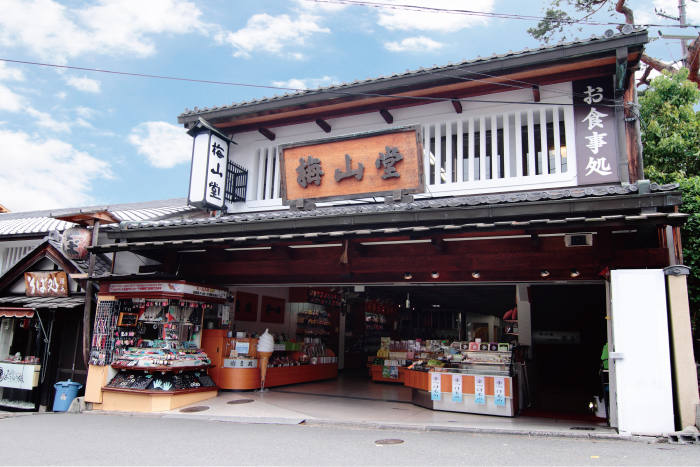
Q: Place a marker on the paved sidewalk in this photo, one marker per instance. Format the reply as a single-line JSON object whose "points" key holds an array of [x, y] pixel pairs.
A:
{"points": [[293, 409]]}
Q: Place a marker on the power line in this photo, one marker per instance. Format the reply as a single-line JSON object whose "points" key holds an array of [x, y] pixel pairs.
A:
{"points": [[485, 14], [280, 88]]}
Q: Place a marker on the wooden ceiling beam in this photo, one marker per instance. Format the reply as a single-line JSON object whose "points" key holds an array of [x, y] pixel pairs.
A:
{"points": [[323, 124], [267, 134], [386, 115], [536, 92], [457, 105]]}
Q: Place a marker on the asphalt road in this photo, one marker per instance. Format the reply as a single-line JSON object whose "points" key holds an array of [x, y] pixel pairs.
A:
{"points": [[68, 439]]}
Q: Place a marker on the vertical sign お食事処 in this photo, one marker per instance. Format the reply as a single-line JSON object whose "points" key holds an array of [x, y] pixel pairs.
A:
{"points": [[596, 132]]}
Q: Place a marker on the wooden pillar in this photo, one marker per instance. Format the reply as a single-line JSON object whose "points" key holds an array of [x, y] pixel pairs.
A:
{"points": [[685, 377], [87, 311], [633, 133]]}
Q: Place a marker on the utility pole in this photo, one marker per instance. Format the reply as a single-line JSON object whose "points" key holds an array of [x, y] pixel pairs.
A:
{"points": [[684, 44], [681, 18]]}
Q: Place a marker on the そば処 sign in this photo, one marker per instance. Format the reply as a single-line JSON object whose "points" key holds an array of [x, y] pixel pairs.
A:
{"points": [[353, 166], [46, 284]]}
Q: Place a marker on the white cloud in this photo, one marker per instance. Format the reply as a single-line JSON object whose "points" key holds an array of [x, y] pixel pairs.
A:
{"points": [[320, 6], [47, 121], [61, 95], [42, 173], [10, 74], [307, 83], [9, 100], [407, 20], [83, 84], [114, 27], [271, 34], [164, 145], [413, 44], [86, 112]]}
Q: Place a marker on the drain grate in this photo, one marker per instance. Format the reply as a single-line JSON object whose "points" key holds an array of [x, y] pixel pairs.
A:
{"points": [[388, 441], [199, 408], [398, 408], [583, 428], [240, 401]]}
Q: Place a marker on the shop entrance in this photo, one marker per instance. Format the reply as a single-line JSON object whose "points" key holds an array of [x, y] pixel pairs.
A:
{"points": [[563, 327]]}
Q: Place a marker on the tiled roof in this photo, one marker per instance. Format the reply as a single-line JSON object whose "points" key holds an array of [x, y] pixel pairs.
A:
{"points": [[577, 192], [348, 87], [38, 222], [329, 235]]}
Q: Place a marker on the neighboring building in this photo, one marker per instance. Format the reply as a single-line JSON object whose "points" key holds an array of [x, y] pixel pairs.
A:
{"points": [[49, 328], [461, 191]]}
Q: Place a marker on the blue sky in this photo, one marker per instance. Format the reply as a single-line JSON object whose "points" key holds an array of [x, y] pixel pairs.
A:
{"points": [[73, 138]]}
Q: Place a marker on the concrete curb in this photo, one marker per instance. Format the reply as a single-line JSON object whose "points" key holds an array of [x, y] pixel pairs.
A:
{"points": [[485, 431], [391, 426]]}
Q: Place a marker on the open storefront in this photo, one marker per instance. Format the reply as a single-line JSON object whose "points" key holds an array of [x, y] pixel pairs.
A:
{"points": [[472, 257], [145, 354]]}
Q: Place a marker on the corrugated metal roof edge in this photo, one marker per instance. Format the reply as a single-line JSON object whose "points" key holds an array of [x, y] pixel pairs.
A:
{"points": [[172, 202]]}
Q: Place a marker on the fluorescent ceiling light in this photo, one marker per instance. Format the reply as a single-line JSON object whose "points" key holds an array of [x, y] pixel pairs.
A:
{"points": [[395, 242], [324, 245], [192, 251], [250, 248]]}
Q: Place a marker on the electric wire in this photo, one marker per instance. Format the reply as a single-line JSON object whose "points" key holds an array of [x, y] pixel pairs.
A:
{"points": [[391, 6], [281, 88]]}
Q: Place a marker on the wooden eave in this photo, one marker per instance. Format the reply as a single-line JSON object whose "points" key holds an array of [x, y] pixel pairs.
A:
{"points": [[45, 250], [88, 218], [448, 83]]}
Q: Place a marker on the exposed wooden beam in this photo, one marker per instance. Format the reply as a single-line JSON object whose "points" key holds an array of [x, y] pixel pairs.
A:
{"points": [[536, 92], [457, 105], [267, 133], [535, 239], [323, 124], [386, 115]]}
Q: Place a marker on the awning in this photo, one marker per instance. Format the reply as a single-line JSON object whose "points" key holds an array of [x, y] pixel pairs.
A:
{"points": [[44, 302], [16, 313]]}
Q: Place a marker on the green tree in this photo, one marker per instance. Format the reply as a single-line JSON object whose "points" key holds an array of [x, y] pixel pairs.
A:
{"points": [[563, 19], [671, 127], [671, 142]]}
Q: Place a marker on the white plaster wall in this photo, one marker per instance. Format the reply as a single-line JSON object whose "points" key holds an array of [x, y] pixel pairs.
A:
{"points": [[250, 142]]}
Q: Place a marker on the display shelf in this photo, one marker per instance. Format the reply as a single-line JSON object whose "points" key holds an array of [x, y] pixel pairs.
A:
{"points": [[175, 369], [510, 320], [160, 392], [511, 333]]}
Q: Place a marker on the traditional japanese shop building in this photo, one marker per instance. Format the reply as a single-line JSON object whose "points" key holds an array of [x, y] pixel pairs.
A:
{"points": [[459, 191]]}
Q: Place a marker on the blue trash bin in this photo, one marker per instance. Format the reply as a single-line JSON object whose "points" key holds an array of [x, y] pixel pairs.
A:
{"points": [[66, 391]]}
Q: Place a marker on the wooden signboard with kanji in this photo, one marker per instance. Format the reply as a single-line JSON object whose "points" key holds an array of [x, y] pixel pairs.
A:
{"points": [[363, 165], [272, 310], [246, 307], [46, 284]]}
